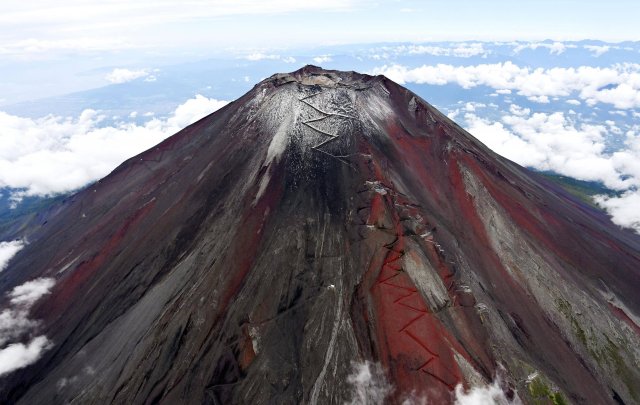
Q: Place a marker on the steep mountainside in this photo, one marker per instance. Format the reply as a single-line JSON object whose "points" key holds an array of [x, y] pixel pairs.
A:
{"points": [[326, 219]]}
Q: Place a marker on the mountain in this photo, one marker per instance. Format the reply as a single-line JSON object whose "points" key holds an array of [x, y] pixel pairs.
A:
{"points": [[328, 236]]}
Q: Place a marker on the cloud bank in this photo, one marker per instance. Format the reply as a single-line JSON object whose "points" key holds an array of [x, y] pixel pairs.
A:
{"points": [[8, 250], [555, 142], [322, 59], [31, 291], [120, 75], [598, 50], [15, 325], [617, 85], [368, 384], [555, 48], [458, 50], [54, 154], [19, 355], [258, 56], [624, 210], [491, 394]]}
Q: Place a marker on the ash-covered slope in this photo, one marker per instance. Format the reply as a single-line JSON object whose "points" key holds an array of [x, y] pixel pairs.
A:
{"points": [[322, 220]]}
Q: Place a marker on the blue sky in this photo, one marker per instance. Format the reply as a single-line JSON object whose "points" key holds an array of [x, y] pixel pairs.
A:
{"points": [[58, 45]]}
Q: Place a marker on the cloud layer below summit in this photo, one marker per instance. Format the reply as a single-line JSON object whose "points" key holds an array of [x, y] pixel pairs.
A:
{"points": [[618, 85], [54, 154]]}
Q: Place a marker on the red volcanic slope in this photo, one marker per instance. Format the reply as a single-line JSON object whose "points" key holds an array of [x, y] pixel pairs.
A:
{"points": [[323, 219]]}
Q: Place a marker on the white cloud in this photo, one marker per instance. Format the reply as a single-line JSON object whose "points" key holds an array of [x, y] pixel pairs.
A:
{"points": [[555, 48], [618, 112], [469, 50], [15, 324], [618, 85], [488, 395], [539, 99], [14, 321], [501, 140], [31, 291], [261, 56], [322, 59], [624, 210], [555, 142], [8, 250], [120, 75], [598, 50], [517, 110], [192, 110], [573, 102], [473, 106], [19, 355], [257, 56], [53, 154], [460, 50], [368, 384]]}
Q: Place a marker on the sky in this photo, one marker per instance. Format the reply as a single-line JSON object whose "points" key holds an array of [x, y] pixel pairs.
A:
{"points": [[47, 29], [51, 47]]}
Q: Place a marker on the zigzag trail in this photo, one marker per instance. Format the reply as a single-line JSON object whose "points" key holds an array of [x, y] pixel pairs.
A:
{"points": [[392, 275], [332, 137], [399, 293], [410, 330]]}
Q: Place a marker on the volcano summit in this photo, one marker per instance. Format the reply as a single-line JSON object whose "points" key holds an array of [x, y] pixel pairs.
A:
{"points": [[324, 222]]}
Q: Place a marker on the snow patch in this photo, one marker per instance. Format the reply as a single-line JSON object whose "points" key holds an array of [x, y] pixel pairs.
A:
{"points": [[278, 143], [264, 182], [375, 105]]}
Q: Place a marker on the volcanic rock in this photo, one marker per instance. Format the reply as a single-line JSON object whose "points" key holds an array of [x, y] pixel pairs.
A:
{"points": [[324, 222]]}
